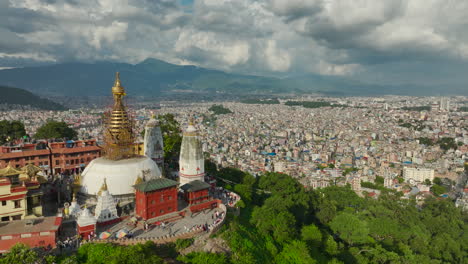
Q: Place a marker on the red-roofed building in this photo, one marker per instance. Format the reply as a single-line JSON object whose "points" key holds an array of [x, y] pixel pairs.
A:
{"points": [[63, 157], [37, 232]]}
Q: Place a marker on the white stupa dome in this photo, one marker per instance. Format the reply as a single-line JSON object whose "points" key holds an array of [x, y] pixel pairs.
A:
{"points": [[120, 175]]}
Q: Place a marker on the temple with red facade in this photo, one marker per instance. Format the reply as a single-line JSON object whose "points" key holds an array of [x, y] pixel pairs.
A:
{"points": [[196, 194], [156, 198]]}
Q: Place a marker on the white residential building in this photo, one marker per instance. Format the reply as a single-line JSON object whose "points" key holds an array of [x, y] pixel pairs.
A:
{"points": [[418, 174]]}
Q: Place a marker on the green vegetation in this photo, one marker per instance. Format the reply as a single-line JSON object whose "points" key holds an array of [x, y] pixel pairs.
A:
{"points": [[18, 96], [21, 253], [463, 109], [349, 170], [170, 129], [183, 243], [260, 101], [415, 124], [109, 253], [310, 104], [426, 141], [286, 223], [417, 108], [219, 110], [438, 188], [447, 143], [204, 258], [374, 186], [54, 129], [11, 130]]}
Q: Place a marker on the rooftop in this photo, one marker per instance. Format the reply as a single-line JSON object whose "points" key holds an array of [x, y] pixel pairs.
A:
{"points": [[155, 184], [195, 186], [43, 224]]}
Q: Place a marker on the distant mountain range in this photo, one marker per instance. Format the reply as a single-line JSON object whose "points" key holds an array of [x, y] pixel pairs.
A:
{"points": [[18, 96], [152, 77]]}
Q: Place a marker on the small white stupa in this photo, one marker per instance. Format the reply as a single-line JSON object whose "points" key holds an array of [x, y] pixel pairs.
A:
{"points": [[86, 218], [74, 209], [106, 209]]}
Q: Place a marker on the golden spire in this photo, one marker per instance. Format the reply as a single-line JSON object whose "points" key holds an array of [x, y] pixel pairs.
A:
{"points": [[138, 180], [118, 135], [103, 187], [118, 89]]}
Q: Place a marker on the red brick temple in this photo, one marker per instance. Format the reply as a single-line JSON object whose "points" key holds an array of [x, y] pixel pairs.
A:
{"points": [[196, 194], [155, 198]]}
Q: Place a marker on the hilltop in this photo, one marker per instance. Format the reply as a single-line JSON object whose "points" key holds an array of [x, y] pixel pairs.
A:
{"points": [[153, 77], [17, 96]]}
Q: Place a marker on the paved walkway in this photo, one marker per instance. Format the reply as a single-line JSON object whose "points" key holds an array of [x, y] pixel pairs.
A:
{"points": [[172, 228]]}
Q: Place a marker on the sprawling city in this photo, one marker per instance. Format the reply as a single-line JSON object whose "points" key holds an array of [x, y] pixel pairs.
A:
{"points": [[193, 143]]}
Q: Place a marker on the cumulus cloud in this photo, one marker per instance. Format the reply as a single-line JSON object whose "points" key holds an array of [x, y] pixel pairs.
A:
{"points": [[360, 38]]}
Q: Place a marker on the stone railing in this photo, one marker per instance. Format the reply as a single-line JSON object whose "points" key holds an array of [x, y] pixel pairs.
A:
{"points": [[215, 227]]}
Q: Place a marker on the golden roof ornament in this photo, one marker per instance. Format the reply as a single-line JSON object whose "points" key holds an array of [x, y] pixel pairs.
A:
{"points": [[103, 187], [118, 135], [138, 180], [118, 89]]}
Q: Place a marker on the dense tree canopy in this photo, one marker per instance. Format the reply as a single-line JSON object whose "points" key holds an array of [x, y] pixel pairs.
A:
{"points": [[287, 223], [219, 110], [54, 129], [11, 130], [170, 129]]}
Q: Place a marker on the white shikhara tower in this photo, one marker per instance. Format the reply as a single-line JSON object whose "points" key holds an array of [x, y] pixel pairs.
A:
{"points": [[154, 144], [191, 161], [106, 209]]}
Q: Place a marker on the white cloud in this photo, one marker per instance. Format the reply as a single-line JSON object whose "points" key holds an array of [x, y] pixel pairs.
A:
{"points": [[339, 37]]}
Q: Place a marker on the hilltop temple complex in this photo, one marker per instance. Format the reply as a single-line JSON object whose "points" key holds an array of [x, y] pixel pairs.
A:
{"points": [[121, 177], [119, 167]]}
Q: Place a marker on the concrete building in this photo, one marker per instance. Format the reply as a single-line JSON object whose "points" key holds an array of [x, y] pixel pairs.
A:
{"points": [[418, 174]]}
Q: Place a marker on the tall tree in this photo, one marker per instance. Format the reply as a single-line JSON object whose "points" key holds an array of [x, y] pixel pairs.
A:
{"points": [[11, 130], [54, 129]]}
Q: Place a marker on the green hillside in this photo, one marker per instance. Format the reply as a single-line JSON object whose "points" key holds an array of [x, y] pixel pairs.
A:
{"points": [[10, 95]]}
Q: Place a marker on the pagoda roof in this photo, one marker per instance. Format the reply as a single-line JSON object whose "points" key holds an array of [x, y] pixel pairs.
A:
{"points": [[31, 169], [194, 186], [9, 171], [155, 184]]}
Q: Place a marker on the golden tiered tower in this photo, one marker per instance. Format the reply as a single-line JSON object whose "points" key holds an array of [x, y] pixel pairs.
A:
{"points": [[118, 135]]}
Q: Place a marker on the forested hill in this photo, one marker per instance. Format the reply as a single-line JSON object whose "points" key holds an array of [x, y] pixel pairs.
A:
{"points": [[10, 95], [152, 77]]}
